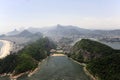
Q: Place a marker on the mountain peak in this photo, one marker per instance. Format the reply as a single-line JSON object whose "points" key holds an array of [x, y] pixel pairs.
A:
{"points": [[14, 32], [59, 26], [25, 33]]}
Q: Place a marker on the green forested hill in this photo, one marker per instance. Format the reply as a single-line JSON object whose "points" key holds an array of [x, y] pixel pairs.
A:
{"points": [[106, 68], [102, 60], [27, 58], [86, 50]]}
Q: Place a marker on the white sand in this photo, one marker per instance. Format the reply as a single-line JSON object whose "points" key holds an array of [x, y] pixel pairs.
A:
{"points": [[5, 50], [58, 55]]}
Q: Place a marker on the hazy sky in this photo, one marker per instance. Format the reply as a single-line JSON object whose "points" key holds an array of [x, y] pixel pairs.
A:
{"points": [[90, 14]]}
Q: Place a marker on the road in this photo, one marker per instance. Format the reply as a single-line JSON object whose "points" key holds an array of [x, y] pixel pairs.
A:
{"points": [[58, 67]]}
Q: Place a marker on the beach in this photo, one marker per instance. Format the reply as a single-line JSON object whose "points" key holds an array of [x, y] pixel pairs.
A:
{"points": [[6, 48]]}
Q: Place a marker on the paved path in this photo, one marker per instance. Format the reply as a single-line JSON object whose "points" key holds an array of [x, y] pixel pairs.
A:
{"points": [[58, 67]]}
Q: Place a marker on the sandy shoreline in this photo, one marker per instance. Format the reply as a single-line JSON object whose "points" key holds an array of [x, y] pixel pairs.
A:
{"points": [[6, 48], [58, 55]]}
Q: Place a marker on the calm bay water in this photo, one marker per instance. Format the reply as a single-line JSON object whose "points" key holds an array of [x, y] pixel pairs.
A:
{"points": [[114, 45]]}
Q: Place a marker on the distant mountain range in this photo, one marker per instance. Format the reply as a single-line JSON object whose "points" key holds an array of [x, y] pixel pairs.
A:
{"points": [[21, 37], [59, 31], [24, 33]]}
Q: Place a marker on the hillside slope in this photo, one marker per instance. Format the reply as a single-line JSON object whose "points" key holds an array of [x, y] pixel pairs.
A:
{"points": [[102, 61], [28, 58], [87, 50]]}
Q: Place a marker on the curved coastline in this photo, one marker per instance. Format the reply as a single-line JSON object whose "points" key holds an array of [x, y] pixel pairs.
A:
{"points": [[6, 48]]}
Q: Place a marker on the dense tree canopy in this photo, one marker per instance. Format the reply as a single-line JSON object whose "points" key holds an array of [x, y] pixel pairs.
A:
{"points": [[104, 62], [27, 58]]}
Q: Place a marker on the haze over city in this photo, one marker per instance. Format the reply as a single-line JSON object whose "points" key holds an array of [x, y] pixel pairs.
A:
{"points": [[89, 14]]}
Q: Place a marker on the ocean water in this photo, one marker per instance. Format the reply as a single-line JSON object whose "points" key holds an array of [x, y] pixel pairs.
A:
{"points": [[1, 44], [114, 45]]}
